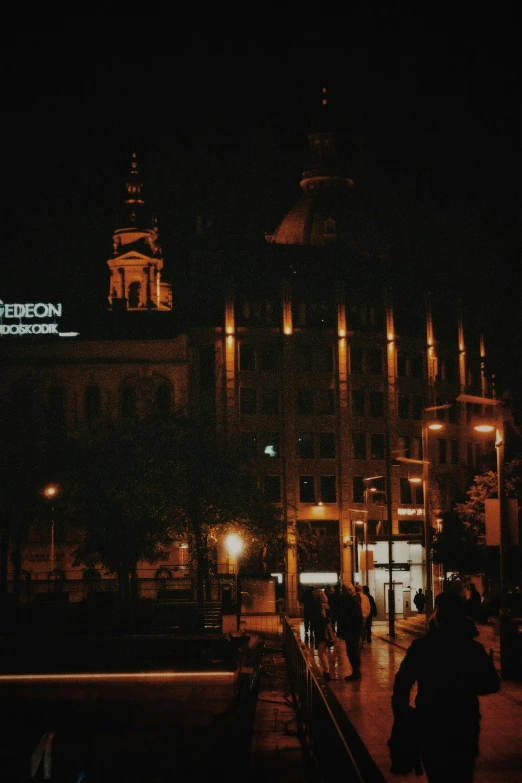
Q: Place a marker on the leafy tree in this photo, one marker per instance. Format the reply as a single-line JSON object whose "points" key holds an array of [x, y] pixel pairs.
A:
{"points": [[136, 489], [460, 545]]}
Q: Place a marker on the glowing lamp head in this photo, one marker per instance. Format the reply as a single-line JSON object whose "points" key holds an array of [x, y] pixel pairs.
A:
{"points": [[234, 544], [484, 428], [50, 491], [435, 425], [414, 479]]}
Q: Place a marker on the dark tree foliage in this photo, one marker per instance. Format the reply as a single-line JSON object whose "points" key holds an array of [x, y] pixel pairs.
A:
{"points": [[135, 489], [460, 544]]}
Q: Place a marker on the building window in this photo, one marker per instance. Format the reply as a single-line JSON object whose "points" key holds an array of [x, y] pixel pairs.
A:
{"points": [[305, 402], [325, 402], [404, 406], [306, 445], [327, 445], [306, 489], [92, 402], [247, 357], [162, 400], [402, 366], [416, 366], [454, 452], [442, 451], [270, 445], [248, 484], [404, 446], [359, 445], [377, 447], [374, 360], [128, 402], [270, 402], [358, 488], [357, 402], [249, 444], [405, 492], [328, 489], [418, 407], [247, 400], [416, 447], [356, 361], [272, 489], [376, 404], [269, 359], [134, 294]]}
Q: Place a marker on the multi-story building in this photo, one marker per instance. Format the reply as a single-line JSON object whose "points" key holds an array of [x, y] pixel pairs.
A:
{"points": [[317, 353]]}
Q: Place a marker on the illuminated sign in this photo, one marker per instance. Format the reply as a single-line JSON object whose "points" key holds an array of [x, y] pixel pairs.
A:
{"points": [[410, 512], [31, 311]]}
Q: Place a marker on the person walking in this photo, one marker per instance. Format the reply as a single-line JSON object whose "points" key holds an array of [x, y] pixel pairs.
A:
{"points": [[451, 670], [367, 633], [308, 600], [321, 628], [419, 599], [349, 628], [333, 600], [365, 608]]}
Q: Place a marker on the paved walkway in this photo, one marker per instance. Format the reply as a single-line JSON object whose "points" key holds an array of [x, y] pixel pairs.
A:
{"points": [[367, 703]]}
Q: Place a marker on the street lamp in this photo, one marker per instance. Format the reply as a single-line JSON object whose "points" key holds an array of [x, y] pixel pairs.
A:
{"points": [[433, 425], [50, 492], [368, 490], [504, 616], [234, 545]]}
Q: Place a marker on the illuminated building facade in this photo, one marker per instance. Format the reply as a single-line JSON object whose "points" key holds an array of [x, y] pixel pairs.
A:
{"points": [[315, 354]]}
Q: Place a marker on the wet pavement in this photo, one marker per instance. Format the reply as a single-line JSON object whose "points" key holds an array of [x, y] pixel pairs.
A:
{"points": [[367, 702]]}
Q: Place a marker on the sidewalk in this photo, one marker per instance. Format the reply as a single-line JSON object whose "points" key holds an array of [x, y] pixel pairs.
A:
{"points": [[367, 703]]}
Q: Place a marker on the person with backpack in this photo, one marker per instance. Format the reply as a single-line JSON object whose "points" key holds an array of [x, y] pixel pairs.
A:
{"points": [[321, 628]]}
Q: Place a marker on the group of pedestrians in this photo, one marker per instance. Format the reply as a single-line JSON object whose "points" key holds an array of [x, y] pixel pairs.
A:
{"points": [[343, 610], [448, 666]]}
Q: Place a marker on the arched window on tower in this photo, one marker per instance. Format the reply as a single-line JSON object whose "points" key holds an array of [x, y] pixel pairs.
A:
{"points": [[134, 294]]}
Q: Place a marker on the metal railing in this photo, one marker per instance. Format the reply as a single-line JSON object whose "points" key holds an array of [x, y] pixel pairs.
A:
{"points": [[329, 737]]}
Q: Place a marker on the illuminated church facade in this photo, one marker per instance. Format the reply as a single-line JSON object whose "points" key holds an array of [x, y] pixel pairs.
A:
{"points": [[322, 366]]}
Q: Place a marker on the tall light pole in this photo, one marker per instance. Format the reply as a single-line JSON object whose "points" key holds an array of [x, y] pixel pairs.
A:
{"points": [[50, 492], [234, 545], [367, 490], [504, 616], [427, 425]]}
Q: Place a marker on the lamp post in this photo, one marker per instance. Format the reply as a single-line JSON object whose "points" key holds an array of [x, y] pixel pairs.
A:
{"points": [[50, 492], [427, 425], [234, 545], [504, 615], [367, 490]]}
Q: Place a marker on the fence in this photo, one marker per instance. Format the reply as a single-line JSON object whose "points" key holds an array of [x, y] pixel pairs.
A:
{"points": [[331, 741]]}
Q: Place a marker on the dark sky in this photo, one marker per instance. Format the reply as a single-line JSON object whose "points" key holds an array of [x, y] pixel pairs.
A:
{"points": [[220, 115]]}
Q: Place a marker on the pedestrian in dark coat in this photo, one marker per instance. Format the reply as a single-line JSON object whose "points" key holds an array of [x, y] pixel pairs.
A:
{"points": [[451, 670], [419, 599], [321, 627], [333, 600], [350, 628]]}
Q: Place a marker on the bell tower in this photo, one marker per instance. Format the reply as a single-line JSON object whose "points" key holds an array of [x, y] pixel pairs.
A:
{"points": [[136, 262]]}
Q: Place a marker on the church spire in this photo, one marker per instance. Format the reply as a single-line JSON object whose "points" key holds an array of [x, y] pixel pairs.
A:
{"points": [[137, 261]]}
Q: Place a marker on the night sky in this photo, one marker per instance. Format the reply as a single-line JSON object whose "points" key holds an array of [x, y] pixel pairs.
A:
{"points": [[219, 115]]}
